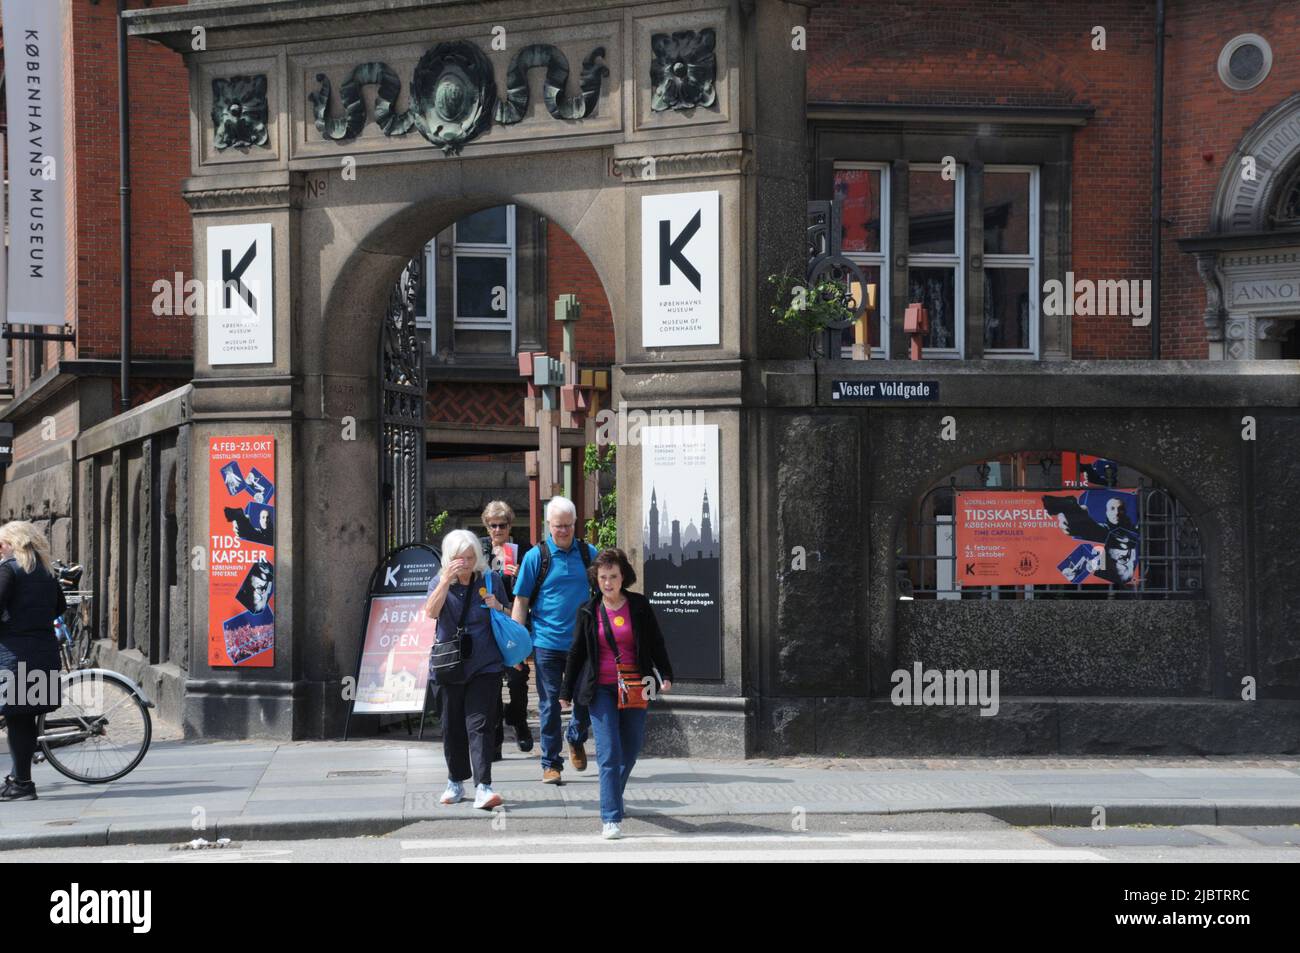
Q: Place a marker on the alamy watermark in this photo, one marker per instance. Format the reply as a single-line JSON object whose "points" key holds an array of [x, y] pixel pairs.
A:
{"points": [[922, 686], [623, 426], [1130, 299]]}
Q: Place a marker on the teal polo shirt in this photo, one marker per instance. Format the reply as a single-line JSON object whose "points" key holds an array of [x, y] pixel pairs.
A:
{"points": [[552, 613]]}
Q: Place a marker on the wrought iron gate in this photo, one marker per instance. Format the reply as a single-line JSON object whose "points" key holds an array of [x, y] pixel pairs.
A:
{"points": [[401, 416]]}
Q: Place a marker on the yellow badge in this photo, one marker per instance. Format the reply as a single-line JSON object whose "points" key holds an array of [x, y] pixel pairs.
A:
{"points": [[618, 620], [482, 590]]}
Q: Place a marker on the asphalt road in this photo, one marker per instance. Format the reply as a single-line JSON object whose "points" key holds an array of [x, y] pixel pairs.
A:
{"points": [[959, 838]]}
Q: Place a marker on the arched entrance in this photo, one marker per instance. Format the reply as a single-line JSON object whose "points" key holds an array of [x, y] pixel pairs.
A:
{"points": [[317, 125]]}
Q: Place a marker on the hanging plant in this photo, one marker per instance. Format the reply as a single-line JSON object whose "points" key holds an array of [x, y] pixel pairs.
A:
{"points": [[808, 310]]}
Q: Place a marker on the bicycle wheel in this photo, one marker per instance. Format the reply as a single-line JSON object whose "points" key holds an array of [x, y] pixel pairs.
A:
{"points": [[100, 732]]}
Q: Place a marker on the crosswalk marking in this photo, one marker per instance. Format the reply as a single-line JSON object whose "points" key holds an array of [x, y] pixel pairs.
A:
{"points": [[567, 840], [763, 855]]}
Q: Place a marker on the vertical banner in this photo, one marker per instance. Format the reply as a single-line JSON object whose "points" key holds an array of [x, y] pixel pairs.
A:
{"points": [[681, 548], [34, 61], [240, 294], [679, 269], [241, 557], [1015, 538]]}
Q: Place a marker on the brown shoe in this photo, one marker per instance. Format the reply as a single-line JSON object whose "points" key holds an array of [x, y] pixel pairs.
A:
{"points": [[550, 776], [579, 755]]}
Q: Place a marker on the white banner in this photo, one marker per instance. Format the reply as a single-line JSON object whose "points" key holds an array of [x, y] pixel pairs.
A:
{"points": [[679, 269], [34, 63], [240, 305]]}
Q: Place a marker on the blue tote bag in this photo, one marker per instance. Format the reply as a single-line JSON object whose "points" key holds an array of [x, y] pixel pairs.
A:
{"points": [[512, 638]]}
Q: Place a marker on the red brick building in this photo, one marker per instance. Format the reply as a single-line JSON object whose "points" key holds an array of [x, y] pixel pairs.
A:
{"points": [[1053, 102]]}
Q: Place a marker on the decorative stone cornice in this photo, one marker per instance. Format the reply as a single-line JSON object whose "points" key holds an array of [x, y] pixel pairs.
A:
{"points": [[283, 195], [649, 168]]}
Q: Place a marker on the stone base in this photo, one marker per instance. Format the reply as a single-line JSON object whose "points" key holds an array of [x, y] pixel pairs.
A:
{"points": [[698, 727], [1029, 726], [239, 710], [164, 685]]}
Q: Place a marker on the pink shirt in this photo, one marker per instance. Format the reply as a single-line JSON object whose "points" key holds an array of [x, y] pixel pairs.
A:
{"points": [[621, 620]]}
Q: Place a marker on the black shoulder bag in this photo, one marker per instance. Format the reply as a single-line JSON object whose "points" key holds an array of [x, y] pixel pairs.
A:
{"points": [[447, 659]]}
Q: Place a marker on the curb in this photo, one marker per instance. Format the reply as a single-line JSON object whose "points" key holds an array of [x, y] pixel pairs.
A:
{"points": [[1160, 814]]}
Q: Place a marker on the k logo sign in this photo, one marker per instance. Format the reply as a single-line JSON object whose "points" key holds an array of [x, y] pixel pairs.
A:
{"points": [[240, 294], [679, 269]]}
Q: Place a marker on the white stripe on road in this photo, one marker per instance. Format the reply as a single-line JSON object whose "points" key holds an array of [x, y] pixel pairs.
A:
{"points": [[566, 840], [766, 856]]}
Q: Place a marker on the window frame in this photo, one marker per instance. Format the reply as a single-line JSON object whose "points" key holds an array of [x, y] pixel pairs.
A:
{"points": [[504, 250], [1033, 260], [880, 259], [959, 260]]}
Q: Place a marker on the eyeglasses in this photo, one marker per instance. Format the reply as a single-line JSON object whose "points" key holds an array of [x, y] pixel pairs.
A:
{"points": [[557, 527], [498, 525]]}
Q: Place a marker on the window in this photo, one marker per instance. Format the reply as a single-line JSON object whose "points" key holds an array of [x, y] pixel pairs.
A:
{"points": [[939, 266], [936, 255], [1011, 274], [482, 275], [483, 271], [862, 189]]}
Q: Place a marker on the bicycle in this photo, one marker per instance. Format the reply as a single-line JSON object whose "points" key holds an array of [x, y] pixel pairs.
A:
{"points": [[75, 739]]}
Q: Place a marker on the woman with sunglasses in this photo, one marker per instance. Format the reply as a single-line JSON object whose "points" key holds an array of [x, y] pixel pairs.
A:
{"points": [[503, 555]]}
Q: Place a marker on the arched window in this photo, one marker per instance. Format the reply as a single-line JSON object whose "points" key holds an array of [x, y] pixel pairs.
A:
{"points": [[1286, 209], [1049, 525]]}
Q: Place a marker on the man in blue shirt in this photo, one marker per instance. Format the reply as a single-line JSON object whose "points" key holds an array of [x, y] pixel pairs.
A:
{"points": [[553, 607]]}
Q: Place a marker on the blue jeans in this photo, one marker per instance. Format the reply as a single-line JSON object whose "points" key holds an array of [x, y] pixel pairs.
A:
{"points": [[550, 677], [619, 734]]}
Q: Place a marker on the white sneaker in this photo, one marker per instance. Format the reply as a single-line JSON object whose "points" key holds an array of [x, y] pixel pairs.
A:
{"points": [[455, 792], [611, 831], [486, 798]]}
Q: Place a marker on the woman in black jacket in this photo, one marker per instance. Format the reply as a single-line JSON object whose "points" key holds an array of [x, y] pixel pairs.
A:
{"points": [[613, 633], [30, 600]]}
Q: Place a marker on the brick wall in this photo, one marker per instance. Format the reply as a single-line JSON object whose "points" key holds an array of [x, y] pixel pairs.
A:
{"points": [[1204, 116], [569, 271], [1015, 53], [160, 159], [973, 52]]}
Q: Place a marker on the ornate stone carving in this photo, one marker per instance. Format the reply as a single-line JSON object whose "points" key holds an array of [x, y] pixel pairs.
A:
{"points": [[260, 196], [1207, 266], [511, 108], [350, 124], [239, 111], [683, 71], [452, 95], [722, 162]]}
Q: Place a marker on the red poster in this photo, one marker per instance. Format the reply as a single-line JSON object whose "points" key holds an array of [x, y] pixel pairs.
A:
{"points": [[241, 551], [1047, 537], [394, 670]]}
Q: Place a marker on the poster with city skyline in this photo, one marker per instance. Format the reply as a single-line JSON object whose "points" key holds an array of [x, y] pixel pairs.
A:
{"points": [[681, 545]]}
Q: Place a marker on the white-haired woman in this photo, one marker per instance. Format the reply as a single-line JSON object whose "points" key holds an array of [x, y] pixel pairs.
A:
{"points": [[460, 597], [30, 600]]}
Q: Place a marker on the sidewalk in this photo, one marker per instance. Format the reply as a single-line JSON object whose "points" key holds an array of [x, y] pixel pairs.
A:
{"points": [[272, 790]]}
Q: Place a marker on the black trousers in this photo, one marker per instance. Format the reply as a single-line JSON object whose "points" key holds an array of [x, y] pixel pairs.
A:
{"points": [[514, 713], [469, 723]]}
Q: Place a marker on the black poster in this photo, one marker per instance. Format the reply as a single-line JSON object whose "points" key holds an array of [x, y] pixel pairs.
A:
{"points": [[681, 544]]}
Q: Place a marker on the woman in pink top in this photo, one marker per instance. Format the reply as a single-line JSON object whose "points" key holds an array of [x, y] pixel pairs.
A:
{"points": [[615, 627]]}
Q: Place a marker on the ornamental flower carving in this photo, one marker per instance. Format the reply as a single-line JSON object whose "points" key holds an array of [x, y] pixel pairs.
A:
{"points": [[239, 112], [683, 71]]}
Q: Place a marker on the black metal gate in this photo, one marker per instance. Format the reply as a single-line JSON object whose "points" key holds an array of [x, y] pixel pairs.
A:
{"points": [[401, 417]]}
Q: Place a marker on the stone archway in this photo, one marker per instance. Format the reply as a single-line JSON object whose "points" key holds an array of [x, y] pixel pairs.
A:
{"points": [[351, 178]]}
